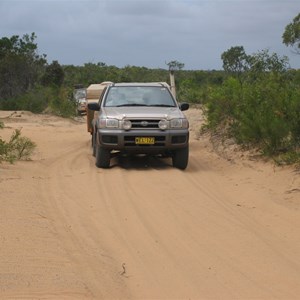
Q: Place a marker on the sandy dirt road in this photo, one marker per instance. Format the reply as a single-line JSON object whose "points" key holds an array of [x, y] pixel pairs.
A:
{"points": [[222, 229]]}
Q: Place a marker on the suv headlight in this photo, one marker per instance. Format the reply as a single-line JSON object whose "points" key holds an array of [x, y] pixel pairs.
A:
{"points": [[109, 123], [163, 124], [179, 123], [127, 124]]}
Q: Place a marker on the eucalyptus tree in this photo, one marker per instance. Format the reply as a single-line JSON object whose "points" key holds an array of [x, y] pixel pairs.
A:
{"points": [[291, 35], [20, 65], [235, 62]]}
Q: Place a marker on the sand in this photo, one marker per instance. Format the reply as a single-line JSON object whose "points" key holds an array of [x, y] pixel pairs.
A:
{"points": [[225, 228]]}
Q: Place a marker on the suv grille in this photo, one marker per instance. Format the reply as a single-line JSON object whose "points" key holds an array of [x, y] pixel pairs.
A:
{"points": [[142, 124]]}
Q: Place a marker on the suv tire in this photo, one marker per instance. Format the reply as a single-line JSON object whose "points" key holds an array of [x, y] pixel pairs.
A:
{"points": [[102, 156], [94, 144], [180, 158]]}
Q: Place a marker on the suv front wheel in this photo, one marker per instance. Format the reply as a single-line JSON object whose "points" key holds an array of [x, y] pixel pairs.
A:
{"points": [[102, 156], [180, 158], [94, 143]]}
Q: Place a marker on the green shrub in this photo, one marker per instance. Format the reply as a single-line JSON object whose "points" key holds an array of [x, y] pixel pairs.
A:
{"points": [[222, 103], [61, 105], [42, 98], [17, 148], [35, 101], [263, 113], [288, 158]]}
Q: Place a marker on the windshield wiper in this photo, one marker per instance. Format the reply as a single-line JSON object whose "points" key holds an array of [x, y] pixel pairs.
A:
{"points": [[131, 104], [162, 105]]}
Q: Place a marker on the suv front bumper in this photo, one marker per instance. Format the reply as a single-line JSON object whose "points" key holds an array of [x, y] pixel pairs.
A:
{"points": [[122, 140]]}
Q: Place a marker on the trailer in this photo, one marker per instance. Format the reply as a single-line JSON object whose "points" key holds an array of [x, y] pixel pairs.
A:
{"points": [[93, 93]]}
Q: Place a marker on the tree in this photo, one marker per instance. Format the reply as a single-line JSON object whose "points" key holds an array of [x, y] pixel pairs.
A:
{"points": [[235, 61], [291, 35], [264, 62], [20, 65], [54, 75], [175, 65]]}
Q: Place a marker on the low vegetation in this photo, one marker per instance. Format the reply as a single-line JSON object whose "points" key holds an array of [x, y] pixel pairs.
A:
{"points": [[18, 147], [260, 106]]}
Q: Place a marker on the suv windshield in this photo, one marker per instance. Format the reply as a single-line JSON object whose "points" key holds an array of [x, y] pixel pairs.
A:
{"points": [[139, 96]]}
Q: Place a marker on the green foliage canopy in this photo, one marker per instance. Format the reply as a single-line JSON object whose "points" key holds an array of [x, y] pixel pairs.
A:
{"points": [[291, 35], [235, 60], [20, 65], [54, 75], [265, 110], [175, 65]]}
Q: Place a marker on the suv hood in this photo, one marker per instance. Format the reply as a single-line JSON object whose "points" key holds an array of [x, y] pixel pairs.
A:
{"points": [[132, 112]]}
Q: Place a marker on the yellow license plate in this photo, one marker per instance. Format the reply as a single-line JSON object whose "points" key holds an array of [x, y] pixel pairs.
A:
{"points": [[141, 140]]}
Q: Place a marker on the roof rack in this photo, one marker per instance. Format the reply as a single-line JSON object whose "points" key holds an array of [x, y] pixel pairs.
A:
{"points": [[164, 84]]}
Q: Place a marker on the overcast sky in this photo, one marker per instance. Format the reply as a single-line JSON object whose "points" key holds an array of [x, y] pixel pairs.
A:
{"points": [[150, 33]]}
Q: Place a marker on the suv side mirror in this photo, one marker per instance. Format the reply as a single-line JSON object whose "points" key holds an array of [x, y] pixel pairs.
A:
{"points": [[94, 106], [184, 106]]}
